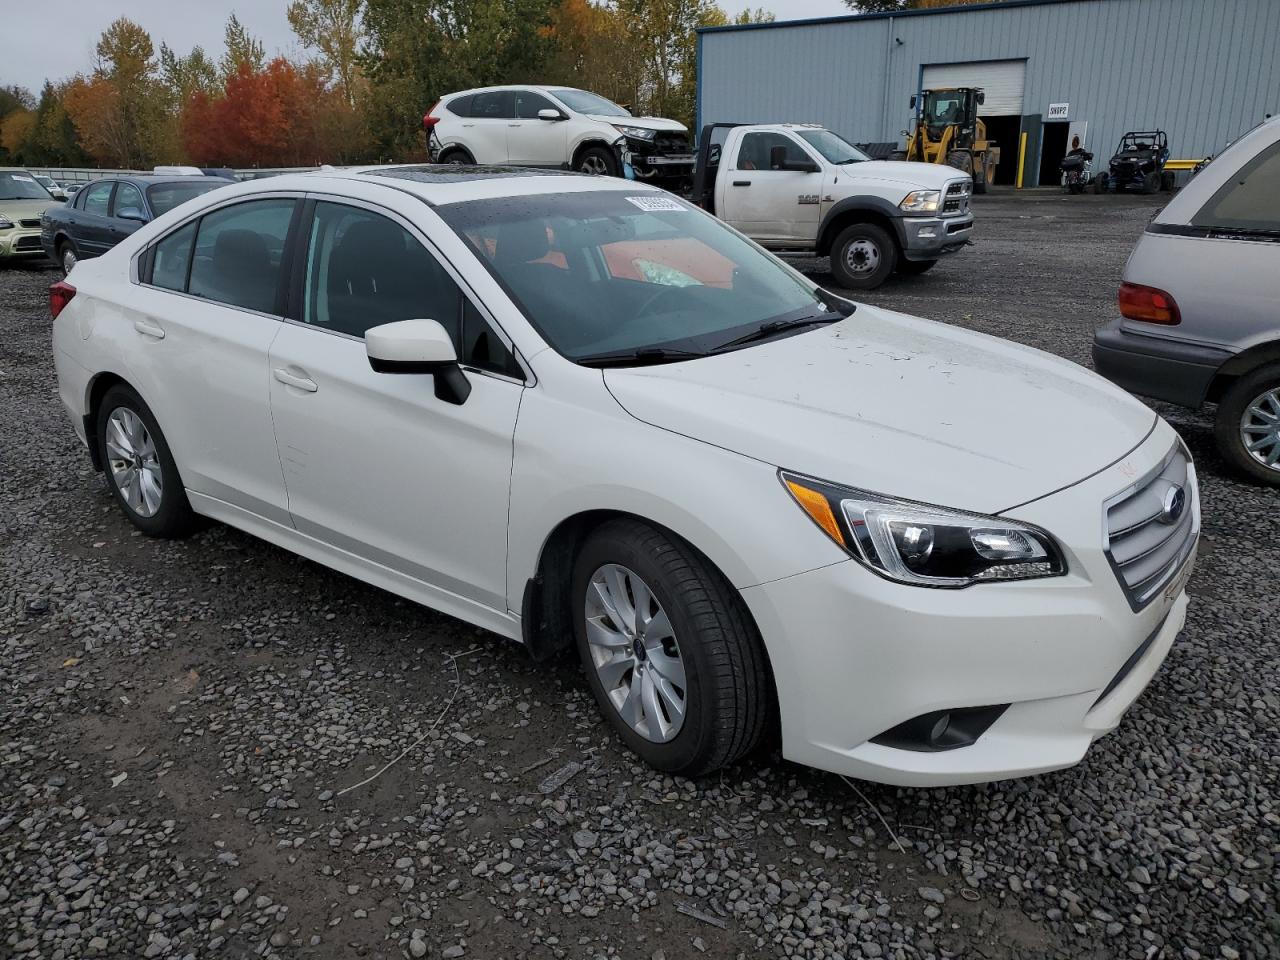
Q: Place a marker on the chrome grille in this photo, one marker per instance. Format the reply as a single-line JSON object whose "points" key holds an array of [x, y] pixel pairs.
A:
{"points": [[29, 223], [1152, 527], [957, 196]]}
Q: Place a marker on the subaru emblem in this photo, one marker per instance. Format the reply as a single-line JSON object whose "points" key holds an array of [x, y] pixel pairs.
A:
{"points": [[1175, 502]]}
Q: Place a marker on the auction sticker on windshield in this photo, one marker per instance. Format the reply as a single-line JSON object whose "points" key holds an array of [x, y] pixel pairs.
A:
{"points": [[655, 204]]}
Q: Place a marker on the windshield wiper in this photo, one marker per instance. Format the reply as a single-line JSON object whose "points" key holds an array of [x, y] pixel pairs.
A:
{"points": [[841, 163], [771, 328], [643, 357]]}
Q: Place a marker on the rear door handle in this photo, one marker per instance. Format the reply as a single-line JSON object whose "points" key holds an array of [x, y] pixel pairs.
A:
{"points": [[293, 380], [149, 328], [742, 183]]}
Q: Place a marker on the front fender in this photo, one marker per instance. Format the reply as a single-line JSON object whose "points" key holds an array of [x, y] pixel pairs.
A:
{"points": [[876, 207]]}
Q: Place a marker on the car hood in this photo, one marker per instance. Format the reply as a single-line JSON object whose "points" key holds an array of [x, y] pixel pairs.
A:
{"points": [[899, 406], [644, 123], [917, 176], [25, 209]]}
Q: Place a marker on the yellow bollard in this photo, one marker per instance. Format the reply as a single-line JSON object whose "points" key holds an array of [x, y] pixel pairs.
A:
{"points": [[1022, 156]]}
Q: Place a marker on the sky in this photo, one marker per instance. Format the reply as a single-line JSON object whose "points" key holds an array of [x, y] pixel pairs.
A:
{"points": [[40, 40]]}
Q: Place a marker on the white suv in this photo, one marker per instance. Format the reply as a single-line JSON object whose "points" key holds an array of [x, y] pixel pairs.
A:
{"points": [[557, 127]]}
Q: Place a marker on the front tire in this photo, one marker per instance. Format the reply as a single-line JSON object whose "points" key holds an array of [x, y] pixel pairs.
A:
{"points": [[67, 257], [140, 468], [1151, 183], [670, 653], [863, 256], [1247, 428], [598, 161]]}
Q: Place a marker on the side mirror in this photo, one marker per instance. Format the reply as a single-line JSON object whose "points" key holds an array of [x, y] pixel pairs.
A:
{"points": [[548, 114], [981, 98], [418, 346], [778, 161], [131, 213], [913, 101]]}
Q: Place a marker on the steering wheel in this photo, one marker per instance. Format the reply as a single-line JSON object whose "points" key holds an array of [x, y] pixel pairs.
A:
{"points": [[664, 292]]}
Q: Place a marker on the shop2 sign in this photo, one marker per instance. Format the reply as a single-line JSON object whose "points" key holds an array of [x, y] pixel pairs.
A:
{"points": [[1058, 111]]}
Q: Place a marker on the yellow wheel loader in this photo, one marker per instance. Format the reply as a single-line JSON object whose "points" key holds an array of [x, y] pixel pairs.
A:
{"points": [[947, 130]]}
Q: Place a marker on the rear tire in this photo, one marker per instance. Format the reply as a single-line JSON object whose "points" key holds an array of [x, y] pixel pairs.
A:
{"points": [[457, 157], [863, 256], [915, 267], [714, 650], [599, 161], [67, 256], [1244, 417], [134, 456], [1151, 183]]}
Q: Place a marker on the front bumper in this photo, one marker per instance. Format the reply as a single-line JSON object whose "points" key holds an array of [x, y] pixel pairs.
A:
{"points": [[1157, 367], [855, 655], [653, 161], [927, 238], [21, 242]]}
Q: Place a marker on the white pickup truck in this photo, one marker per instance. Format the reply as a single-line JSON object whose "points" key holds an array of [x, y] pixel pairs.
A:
{"points": [[796, 188]]}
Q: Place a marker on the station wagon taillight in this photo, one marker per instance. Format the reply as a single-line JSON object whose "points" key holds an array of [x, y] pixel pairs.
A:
{"points": [[60, 295], [1148, 304]]}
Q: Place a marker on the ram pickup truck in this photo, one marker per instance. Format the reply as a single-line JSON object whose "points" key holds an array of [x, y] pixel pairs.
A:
{"points": [[801, 189]]}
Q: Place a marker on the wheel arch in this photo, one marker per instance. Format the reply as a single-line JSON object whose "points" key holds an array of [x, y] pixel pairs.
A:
{"points": [[95, 390], [455, 147], [591, 140], [1240, 365], [546, 606], [859, 210]]}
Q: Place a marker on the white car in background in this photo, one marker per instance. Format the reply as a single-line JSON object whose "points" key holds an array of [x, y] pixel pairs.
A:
{"points": [[559, 128], [55, 189], [576, 411]]}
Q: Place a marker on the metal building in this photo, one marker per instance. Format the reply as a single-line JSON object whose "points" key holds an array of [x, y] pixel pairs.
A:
{"points": [[1204, 71]]}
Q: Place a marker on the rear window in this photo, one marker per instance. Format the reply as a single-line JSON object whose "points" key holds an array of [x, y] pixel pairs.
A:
{"points": [[1250, 200], [460, 106], [165, 196]]}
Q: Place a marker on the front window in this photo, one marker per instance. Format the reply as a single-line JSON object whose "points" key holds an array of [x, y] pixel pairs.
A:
{"points": [[943, 107], [608, 273], [16, 185], [834, 147], [756, 152], [590, 103], [165, 196]]}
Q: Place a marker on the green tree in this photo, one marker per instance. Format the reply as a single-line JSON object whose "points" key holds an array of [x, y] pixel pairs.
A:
{"points": [[184, 76], [332, 28], [53, 140], [242, 48]]}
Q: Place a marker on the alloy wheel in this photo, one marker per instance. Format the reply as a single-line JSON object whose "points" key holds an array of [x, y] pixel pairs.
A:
{"points": [[135, 465], [68, 259], [635, 654], [593, 163], [1260, 429], [862, 256]]}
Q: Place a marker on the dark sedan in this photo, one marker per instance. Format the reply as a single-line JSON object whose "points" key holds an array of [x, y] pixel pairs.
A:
{"points": [[106, 211]]}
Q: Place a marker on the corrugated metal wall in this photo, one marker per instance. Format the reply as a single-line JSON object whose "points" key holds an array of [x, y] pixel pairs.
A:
{"points": [[1204, 71]]}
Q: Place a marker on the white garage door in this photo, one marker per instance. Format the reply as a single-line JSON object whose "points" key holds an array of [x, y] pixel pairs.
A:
{"points": [[1001, 80]]}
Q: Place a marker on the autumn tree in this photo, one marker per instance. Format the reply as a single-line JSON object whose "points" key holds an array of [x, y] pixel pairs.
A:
{"points": [[53, 140], [15, 131]]}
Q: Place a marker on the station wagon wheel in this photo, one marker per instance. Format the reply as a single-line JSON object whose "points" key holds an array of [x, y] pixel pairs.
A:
{"points": [[1248, 425], [669, 650], [139, 466]]}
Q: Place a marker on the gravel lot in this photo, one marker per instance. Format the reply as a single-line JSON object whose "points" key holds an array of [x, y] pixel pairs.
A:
{"points": [[179, 720]]}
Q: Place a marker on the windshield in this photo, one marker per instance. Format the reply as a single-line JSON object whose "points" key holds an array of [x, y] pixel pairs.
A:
{"points": [[602, 273], [832, 146], [165, 196], [943, 107], [16, 185], [584, 102]]}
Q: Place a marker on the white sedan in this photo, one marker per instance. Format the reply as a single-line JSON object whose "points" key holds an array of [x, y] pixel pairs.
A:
{"points": [[580, 412]]}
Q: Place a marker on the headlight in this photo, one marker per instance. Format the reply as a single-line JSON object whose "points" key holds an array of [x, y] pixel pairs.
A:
{"points": [[922, 201], [640, 133], [923, 545], [6, 223]]}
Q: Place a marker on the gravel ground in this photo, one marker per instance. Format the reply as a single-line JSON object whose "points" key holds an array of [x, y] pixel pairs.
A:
{"points": [[179, 721]]}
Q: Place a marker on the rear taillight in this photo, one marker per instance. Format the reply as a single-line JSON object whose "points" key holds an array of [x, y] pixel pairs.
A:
{"points": [[60, 295], [1148, 305], [428, 121]]}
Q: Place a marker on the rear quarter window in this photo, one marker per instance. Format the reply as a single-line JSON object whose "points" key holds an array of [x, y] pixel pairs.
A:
{"points": [[460, 106], [1250, 200]]}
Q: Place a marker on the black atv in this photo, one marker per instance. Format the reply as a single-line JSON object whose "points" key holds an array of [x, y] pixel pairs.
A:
{"points": [[1137, 164]]}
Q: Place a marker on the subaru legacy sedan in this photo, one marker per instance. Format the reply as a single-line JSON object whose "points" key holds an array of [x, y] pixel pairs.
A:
{"points": [[580, 412]]}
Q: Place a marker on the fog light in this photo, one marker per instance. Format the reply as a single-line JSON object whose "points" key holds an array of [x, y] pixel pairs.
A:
{"points": [[941, 729], [928, 233]]}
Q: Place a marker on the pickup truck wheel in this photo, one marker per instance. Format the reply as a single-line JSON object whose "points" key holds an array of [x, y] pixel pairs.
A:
{"points": [[670, 652], [915, 266], [67, 256], [863, 256], [1248, 425], [597, 160]]}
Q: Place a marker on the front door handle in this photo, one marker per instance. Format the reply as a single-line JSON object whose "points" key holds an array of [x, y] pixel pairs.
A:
{"points": [[149, 328], [742, 183], [293, 380]]}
